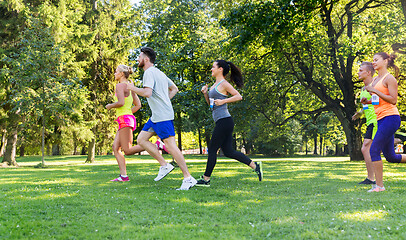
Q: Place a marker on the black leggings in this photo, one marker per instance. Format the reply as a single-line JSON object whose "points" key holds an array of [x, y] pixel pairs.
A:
{"points": [[222, 137]]}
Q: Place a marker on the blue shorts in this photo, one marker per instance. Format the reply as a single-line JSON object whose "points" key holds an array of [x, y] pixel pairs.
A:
{"points": [[163, 129]]}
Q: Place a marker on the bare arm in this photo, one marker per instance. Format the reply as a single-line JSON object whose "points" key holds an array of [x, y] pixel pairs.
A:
{"points": [[173, 89], [120, 88], [357, 114], [205, 93], [236, 96], [136, 102], [143, 92]]}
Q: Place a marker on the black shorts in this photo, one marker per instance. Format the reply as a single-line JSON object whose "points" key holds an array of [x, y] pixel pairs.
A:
{"points": [[369, 132]]}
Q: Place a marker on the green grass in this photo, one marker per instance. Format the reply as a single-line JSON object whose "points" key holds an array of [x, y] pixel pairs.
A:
{"points": [[298, 199]]}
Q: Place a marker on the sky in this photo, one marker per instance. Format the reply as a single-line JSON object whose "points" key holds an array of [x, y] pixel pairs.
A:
{"points": [[134, 1]]}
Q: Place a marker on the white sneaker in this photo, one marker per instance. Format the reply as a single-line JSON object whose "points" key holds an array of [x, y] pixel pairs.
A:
{"points": [[187, 183], [163, 171]]}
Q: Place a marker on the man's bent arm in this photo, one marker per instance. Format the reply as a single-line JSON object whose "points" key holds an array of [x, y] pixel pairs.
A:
{"points": [[144, 92]]}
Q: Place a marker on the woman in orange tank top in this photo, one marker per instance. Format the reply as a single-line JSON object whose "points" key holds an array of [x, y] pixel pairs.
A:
{"points": [[384, 86]]}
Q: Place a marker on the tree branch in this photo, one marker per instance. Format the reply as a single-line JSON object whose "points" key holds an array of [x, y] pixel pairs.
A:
{"points": [[301, 112]]}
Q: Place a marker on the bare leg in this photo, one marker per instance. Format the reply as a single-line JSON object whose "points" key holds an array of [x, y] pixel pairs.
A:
{"points": [[403, 158], [378, 169], [119, 155], [177, 155], [134, 149], [126, 139], [143, 141], [366, 146]]}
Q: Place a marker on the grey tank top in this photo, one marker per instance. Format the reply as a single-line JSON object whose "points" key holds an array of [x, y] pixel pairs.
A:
{"points": [[219, 112]]}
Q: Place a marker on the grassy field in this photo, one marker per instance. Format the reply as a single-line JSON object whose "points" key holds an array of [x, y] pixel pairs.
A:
{"points": [[304, 198]]}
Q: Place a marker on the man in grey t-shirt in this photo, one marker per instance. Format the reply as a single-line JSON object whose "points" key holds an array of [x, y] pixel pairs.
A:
{"points": [[159, 90], [159, 102]]}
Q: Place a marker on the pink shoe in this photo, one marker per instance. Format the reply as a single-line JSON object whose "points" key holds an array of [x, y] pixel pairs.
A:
{"points": [[164, 148], [376, 188], [159, 145], [121, 179]]}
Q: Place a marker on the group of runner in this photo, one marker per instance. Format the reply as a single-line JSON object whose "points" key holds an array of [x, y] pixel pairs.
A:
{"points": [[159, 90], [379, 98]]}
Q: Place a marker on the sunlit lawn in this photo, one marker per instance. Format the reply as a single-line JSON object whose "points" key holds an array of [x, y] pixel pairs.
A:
{"points": [[298, 199]]}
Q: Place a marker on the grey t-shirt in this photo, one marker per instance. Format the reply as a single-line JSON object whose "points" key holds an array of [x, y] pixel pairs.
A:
{"points": [[159, 102]]}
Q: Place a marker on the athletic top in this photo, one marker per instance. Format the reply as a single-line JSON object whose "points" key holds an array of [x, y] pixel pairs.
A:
{"points": [[384, 109], [219, 112], [159, 102], [126, 108], [369, 112]]}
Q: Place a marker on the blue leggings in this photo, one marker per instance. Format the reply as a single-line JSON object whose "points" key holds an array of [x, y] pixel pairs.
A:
{"points": [[384, 140]]}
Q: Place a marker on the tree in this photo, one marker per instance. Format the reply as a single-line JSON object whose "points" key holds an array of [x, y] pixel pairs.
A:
{"points": [[318, 43], [37, 91], [179, 31]]}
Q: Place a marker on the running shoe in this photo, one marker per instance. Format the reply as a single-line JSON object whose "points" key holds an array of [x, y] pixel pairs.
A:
{"points": [[367, 181], [159, 145], [258, 170], [376, 188], [187, 183], [203, 183], [121, 179], [163, 171]]}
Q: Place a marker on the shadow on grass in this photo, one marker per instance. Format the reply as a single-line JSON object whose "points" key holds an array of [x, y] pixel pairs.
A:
{"points": [[295, 200]]}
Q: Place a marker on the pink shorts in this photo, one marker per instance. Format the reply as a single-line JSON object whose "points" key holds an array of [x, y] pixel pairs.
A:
{"points": [[126, 121]]}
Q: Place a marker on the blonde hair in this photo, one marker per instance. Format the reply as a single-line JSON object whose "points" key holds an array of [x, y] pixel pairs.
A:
{"points": [[125, 69]]}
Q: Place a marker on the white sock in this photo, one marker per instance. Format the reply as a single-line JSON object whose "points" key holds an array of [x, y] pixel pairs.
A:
{"points": [[123, 175]]}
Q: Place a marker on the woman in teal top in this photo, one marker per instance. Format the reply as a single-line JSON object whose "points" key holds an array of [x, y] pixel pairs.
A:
{"points": [[125, 99], [365, 73]]}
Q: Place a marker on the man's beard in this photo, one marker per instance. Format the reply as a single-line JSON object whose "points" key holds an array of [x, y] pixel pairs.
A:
{"points": [[141, 64]]}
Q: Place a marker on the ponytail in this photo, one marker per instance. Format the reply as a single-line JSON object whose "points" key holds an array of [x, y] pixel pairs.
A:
{"points": [[235, 75], [391, 63], [126, 70]]}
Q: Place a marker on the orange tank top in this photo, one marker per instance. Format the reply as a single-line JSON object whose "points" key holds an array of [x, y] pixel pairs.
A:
{"points": [[384, 109]]}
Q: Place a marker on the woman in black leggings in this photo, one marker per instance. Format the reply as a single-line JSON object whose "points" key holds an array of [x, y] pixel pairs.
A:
{"points": [[222, 136]]}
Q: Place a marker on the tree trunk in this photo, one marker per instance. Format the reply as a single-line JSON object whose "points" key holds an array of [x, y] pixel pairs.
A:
{"points": [[3, 143], [315, 144], [179, 130], [48, 149], [10, 154], [354, 141], [75, 144], [55, 150], [83, 152], [22, 148], [207, 136], [321, 146], [200, 141], [56, 147], [91, 151], [306, 146]]}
